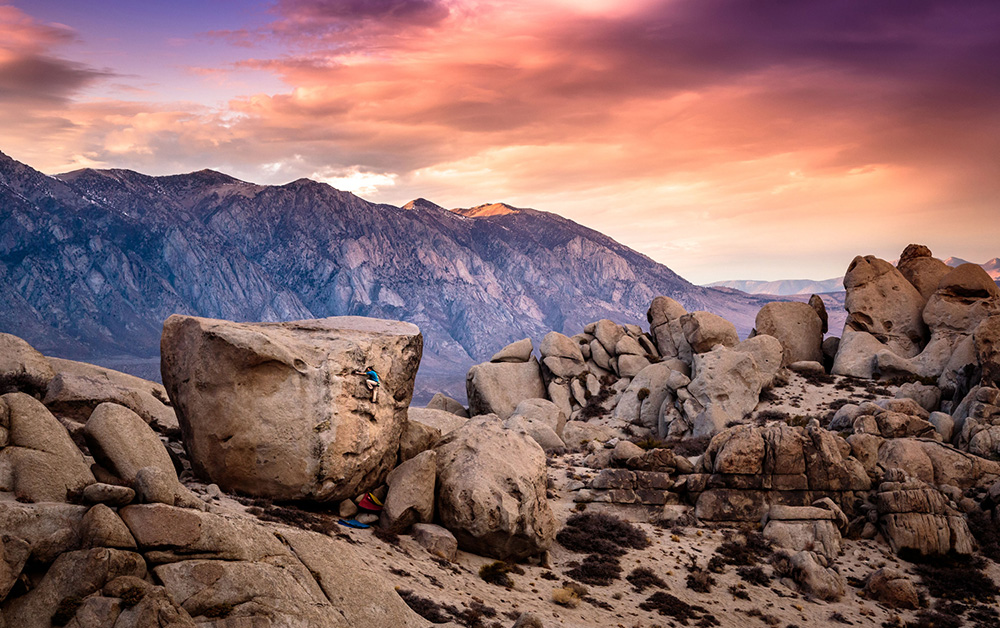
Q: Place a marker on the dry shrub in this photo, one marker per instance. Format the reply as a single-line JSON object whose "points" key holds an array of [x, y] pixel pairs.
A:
{"points": [[597, 569], [596, 533], [642, 578], [497, 573], [670, 606]]}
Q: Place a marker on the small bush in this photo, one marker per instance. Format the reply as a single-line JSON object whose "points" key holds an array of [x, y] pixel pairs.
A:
{"points": [[689, 446], [595, 533], [771, 415], [670, 606], [754, 575], [649, 443], [745, 550], [963, 581], [934, 619], [642, 578], [986, 533], [643, 394], [428, 609], [497, 573], [597, 569], [700, 581]]}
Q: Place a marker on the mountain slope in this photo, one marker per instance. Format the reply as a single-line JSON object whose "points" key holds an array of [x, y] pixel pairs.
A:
{"points": [[93, 261], [783, 286]]}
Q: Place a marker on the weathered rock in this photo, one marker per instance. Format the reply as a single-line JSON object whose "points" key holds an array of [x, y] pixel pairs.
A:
{"points": [[519, 351], [49, 528], [74, 574], [538, 430], [767, 353], [815, 535], [856, 354], [544, 411], [892, 588], [664, 324], [579, 433], [915, 517], [78, 388], [358, 591], [987, 341], [440, 420], [816, 303], [498, 388], [814, 578], [928, 397], [411, 492], [436, 540], [280, 589], [630, 365], [921, 269], [156, 608], [608, 333], [277, 409], [22, 368], [704, 330], [417, 437], [153, 485], [42, 461], [797, 326], [807, 367], [491, 490], [110, 494], [441, 401], [14, 554], [881, 302], [642, 400], [101, 527], [123, 443], [168, 534], [944, 425], [726, 382]]}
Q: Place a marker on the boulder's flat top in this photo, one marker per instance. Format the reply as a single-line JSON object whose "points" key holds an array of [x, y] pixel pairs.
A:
{"points": [[333, 323]]}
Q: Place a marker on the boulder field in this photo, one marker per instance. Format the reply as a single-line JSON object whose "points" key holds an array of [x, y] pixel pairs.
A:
{"points": [[264, 485]]}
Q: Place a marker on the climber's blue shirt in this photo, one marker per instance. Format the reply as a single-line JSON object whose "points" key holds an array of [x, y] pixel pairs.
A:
{"points": [[372, 375]]}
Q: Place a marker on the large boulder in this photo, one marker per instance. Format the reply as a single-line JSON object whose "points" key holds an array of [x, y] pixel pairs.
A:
{"points": [[881, 302], [767, 353], [704, 330], [497, 388], [726, 387], [561, 355], [491, 485], [664, 316], [278, 410], [122, 443], [797, 326], [22, 368], [922, 269], [411, 492], [856, 354], [42, 463], [78, 388], [916, 518], [440, 401], [519, 351]]}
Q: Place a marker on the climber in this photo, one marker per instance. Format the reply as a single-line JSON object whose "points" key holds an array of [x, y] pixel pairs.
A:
{"points": [[372, 382]]}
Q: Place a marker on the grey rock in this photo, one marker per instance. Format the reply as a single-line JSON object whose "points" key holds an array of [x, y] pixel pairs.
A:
{"points": [[110, 494], [22, 368], [411, 492], [436, 540], [797, 326], [519, 351], [153, 485], [704, 330], [441, 401], [101, 527], [498, 388]]}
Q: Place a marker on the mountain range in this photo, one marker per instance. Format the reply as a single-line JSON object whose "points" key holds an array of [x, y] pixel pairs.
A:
{"points": [[93, 261]]}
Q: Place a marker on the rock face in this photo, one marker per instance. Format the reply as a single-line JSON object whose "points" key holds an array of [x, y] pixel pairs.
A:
{"points": [[491, 485], [747, 469], [797, 326], [725, 387], [915, 517], [22, 368], [497, 388], [78, 388], [922, 269], [881, 302], [123, 444], [41, 462], [704, 330], [277, 409]]}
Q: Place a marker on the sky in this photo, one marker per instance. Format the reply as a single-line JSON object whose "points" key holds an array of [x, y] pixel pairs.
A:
{"points": [[727, 139]]}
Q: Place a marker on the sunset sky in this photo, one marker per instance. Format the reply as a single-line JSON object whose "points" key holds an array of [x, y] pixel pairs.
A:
{"points": [[727, 139]]}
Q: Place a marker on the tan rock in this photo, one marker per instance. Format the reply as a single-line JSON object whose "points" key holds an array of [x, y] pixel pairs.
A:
{"points": [[797, 327], [498, 388], [79, 387], [411, 492], [519, 351], [767, 353], [73, 574], [14, 553], [704, 330], [856, 354], [881, 302], [921, 269], [22, 368], [43, 462], [50, 528], [892, 588], [123, 443], [484, 468], [443, 402], [277, 409], [101, 527], [436, 540]]}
